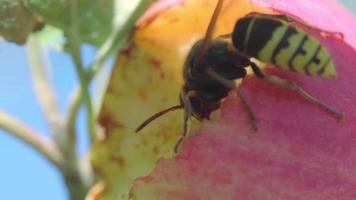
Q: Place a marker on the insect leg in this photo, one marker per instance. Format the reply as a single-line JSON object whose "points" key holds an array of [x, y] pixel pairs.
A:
{"points": [[187, 114], [250, 114], [225, 36], [291, 85], [291, 19], [232, 85]]}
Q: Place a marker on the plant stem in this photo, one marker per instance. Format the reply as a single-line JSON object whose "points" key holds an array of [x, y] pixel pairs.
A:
{"points": [[74, 48], [116, 40], [75, 184], [84, 90], [24, 133]]}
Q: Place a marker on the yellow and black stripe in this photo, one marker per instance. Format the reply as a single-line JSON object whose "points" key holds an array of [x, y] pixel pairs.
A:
{"points": [[275, 41]]}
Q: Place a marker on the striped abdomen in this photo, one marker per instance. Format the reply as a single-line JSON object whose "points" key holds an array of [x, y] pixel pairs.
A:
{"points": [[274, 41]]}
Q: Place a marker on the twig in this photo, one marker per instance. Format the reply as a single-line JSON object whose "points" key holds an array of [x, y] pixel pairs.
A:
{"points": [[43, 87], [20, 130]]}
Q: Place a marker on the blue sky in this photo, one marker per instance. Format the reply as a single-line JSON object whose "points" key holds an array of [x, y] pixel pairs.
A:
{"points": [[24, 174]]}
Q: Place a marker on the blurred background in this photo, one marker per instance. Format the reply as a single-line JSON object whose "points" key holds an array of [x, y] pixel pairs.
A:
{"points": [[24, 174]]}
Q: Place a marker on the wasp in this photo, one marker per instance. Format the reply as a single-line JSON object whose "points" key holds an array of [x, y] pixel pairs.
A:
{"points": [[213, 65]]}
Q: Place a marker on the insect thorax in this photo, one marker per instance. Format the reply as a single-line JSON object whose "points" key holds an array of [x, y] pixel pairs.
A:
{"points": [[220, 57]]}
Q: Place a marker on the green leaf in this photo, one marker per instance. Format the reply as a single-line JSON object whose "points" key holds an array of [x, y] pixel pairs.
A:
{"points": [[16, 21], [94, 18]]}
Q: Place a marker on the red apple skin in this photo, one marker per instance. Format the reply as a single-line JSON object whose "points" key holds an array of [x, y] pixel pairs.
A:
{"points": [[300, 152]]}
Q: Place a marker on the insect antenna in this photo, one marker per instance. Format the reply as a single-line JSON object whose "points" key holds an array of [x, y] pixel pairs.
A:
{"points": [[211, 27], [157, 115]]}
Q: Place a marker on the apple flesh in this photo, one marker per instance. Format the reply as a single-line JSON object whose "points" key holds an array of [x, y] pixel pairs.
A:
{"points": [[299, 152]]}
